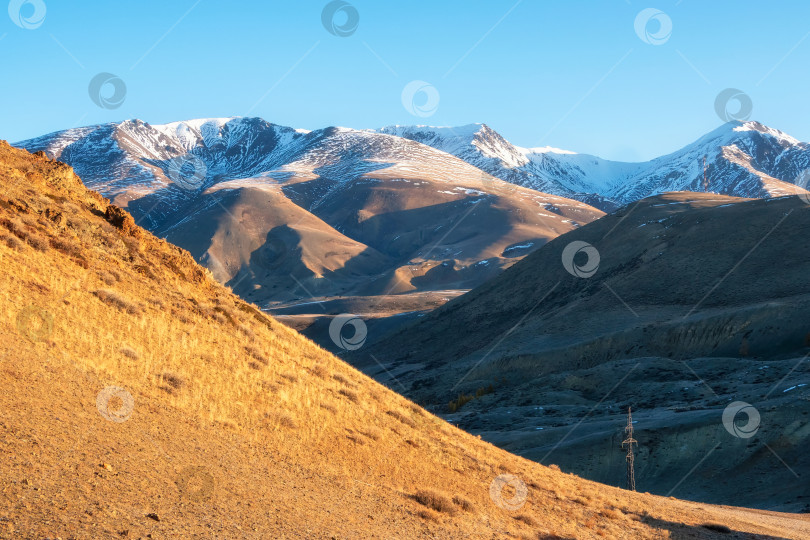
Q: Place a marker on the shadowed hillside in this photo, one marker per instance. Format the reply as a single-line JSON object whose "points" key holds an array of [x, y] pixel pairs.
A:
{"points": [[677, 306]]}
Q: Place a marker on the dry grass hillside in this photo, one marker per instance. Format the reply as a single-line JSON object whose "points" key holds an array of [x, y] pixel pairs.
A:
{"points": [[141, 399]]}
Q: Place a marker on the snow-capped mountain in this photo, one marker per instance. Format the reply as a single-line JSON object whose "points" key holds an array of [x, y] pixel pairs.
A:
{"points": [[742, 159], [280, 213]]}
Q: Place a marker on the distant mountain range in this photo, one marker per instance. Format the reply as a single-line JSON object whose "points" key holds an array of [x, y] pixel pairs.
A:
{"points": [[742, 159], [287, 216], [283, 215]]}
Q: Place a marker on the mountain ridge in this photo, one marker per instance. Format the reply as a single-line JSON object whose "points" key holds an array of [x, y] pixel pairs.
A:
{"points": [[584, 176], [606, 183]]}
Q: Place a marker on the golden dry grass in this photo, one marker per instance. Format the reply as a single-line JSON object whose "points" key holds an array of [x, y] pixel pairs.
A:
{"points": [[114, 304]]}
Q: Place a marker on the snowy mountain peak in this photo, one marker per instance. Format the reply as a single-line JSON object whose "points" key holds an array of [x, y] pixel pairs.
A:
{"points": [[761, 128]]}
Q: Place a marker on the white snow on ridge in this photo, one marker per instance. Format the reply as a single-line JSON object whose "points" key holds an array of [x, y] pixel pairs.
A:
{"points": [[743, 159]]}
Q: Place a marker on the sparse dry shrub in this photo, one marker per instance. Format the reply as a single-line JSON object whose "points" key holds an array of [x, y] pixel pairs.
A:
{"points": [[612, 513], [427, 515], [11, 241], [416, 409], [107, 277], [180, 316], [328, 407], [37, 242], [112, 298], [253, 311], [343, 380], [435, 501], [463, 503], [14, 226], [174, 380], [527, 519], [228, 315], [247, 331], [29, 220], [293, 378], [402, 418], [257, 355], [129, 352], [554, 467], [280, 419], [349, 394], [134, 247], [371, 432], [157, 302], [144, 270], [319, 371], [66, 247], [70, 208]]}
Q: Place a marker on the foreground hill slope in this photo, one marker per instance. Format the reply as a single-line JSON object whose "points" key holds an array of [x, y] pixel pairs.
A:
{"points": [[694, 301], [142, 398]]}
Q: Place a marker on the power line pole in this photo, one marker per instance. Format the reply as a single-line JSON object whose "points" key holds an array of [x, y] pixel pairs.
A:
{"points": [[630, 441]]}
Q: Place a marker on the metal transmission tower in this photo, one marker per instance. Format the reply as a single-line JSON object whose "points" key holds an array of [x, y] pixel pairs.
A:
{"points": [[630, 441]]}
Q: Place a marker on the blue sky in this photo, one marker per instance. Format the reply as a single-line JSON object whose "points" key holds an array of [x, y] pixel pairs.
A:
{"points": [[569, 74]]}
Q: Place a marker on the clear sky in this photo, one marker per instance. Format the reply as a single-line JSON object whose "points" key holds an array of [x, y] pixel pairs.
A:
{"points": [[572, 74]]}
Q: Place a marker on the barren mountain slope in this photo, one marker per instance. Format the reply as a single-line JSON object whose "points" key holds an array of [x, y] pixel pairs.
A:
{"points": [[697, 301], [143, 398]]}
